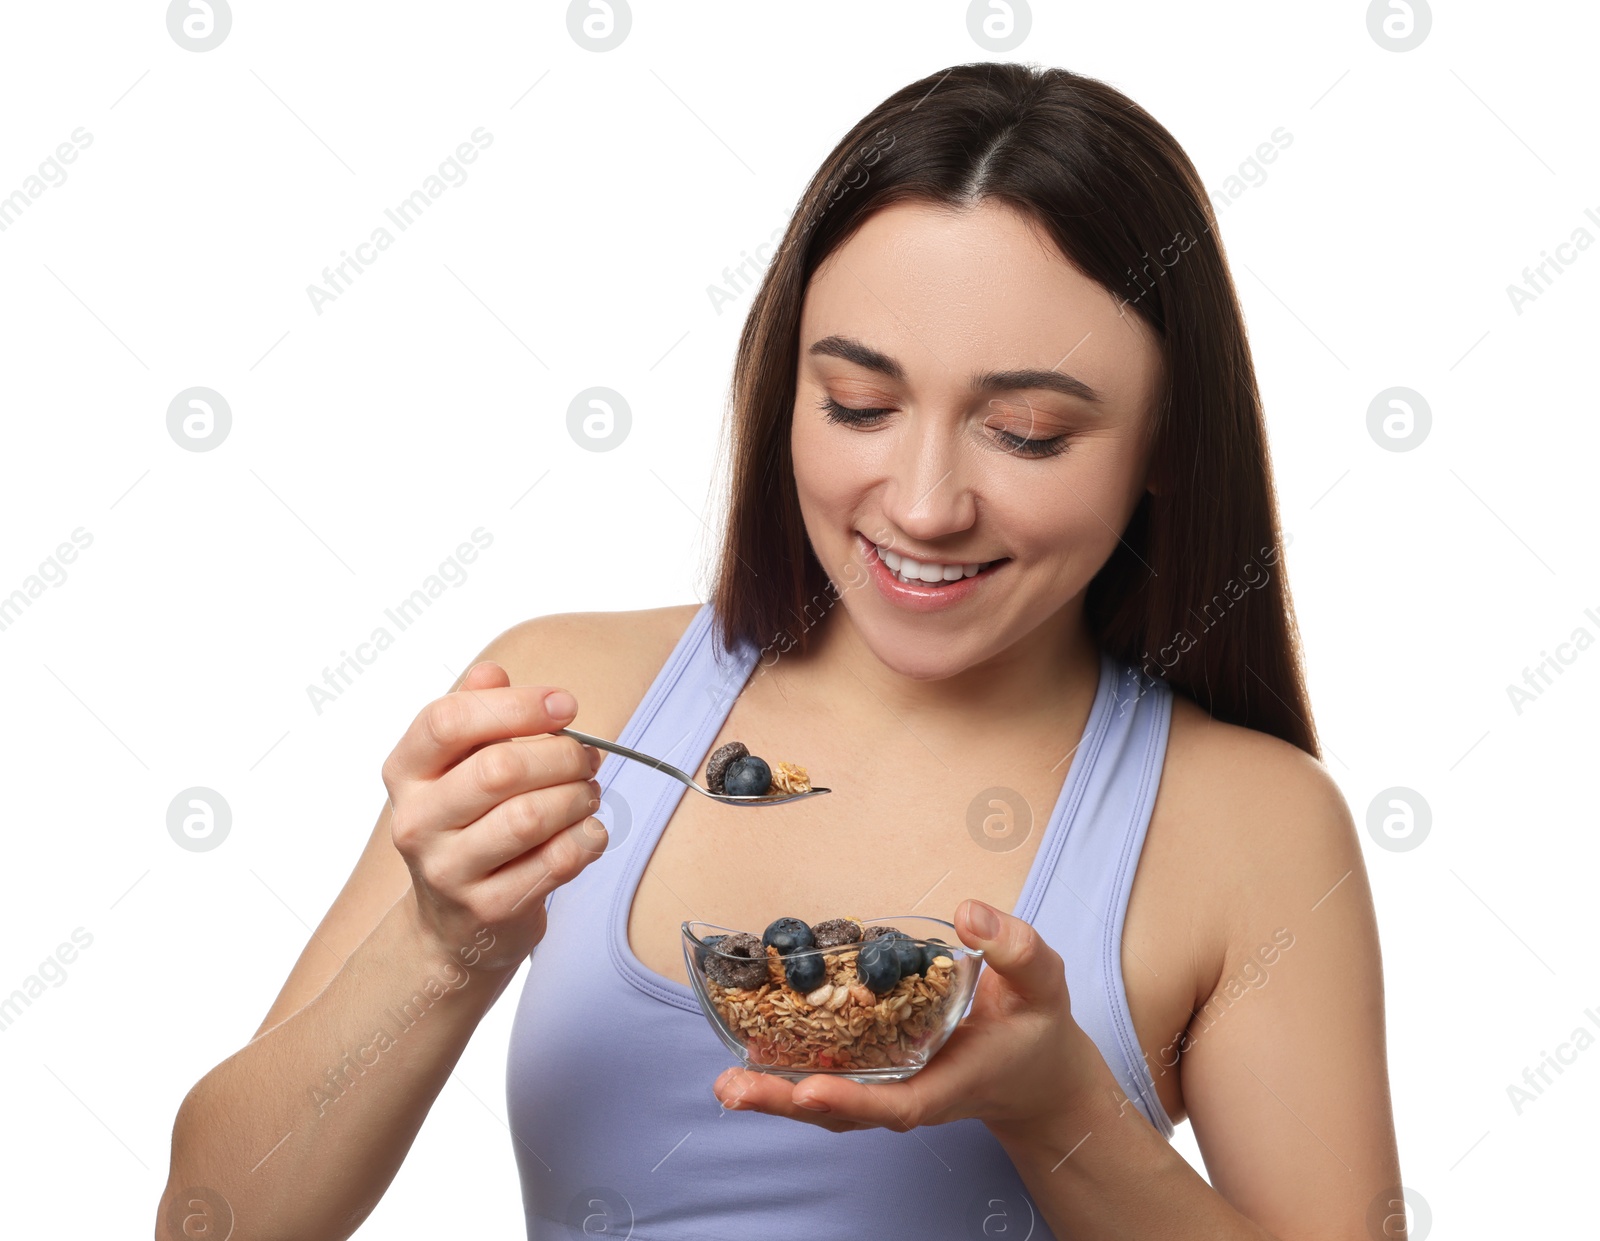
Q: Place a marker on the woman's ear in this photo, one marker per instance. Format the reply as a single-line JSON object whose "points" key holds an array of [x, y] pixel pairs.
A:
{"points": [[1154, 481]]}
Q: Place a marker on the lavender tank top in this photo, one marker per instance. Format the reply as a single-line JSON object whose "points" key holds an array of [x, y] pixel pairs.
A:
{"points": [[609, 1072]]}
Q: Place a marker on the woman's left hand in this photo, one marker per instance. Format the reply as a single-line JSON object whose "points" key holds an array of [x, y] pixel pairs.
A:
{"points": [[1016, 1062]]}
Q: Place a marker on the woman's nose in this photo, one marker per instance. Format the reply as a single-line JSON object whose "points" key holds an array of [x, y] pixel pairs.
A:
{"points": [[927, 495]]}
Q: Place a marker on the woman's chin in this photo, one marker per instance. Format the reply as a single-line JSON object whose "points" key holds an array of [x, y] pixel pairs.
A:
{"points": [[933, 664]]}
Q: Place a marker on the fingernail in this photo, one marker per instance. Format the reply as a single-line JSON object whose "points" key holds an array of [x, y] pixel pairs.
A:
{"points": [[811, 1103], [595, 759], [560, 704], [984, 920]]}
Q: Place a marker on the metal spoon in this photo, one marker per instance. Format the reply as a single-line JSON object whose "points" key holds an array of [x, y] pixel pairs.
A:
{"points": [[765, 799]]}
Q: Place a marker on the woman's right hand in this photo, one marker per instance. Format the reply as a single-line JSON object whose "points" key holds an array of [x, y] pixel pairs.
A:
{"points": [[491, 812]]}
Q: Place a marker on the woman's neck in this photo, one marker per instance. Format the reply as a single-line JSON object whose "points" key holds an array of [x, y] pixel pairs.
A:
{"points": [[1048, 675]]}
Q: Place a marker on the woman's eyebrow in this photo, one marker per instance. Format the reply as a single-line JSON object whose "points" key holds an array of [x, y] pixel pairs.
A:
{"points": [[849, 349]]}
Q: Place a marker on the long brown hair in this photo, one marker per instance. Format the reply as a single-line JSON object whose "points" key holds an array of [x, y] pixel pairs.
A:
{"points": [[1177, 597]]}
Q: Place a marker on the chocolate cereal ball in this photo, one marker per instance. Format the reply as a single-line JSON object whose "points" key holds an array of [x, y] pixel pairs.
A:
{"points": [[739, 960], [717, 764], [836, 931]]}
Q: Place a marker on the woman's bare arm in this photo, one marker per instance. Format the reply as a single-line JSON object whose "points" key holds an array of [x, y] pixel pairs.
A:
{"points": [[1287, 1076], [303, 1129], [1284, 1072]]}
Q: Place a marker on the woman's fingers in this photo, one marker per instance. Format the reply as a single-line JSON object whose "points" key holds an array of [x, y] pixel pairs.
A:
{"points": [[851, 1105], [1015, 951], [515, 826], [489, 809], [485, 780], [740, 1090], [522, 884], [451, 727]]}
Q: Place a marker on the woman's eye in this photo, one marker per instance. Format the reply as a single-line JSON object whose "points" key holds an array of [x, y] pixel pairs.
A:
{"points": [[1032, 448], [1020, 444], [849, 415]]}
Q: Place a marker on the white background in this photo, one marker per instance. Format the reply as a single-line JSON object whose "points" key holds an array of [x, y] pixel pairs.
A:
{"points": [[368, 441]]}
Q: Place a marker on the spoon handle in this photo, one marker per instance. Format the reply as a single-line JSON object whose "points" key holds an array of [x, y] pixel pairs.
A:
{"points": [[626, 752]]}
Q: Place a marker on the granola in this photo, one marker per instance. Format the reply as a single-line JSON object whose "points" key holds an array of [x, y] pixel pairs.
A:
{"points": [[840, 1024], [790, 778]]}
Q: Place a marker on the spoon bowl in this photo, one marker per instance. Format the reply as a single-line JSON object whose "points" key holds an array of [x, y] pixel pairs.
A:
{"points": [[727, 799]]}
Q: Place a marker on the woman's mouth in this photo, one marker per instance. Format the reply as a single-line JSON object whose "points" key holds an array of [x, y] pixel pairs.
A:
{"points": [[923, 584]]}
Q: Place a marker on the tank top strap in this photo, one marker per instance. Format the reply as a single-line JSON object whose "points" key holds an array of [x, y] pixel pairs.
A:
{"points": [[1083, 906], [692, 693], [676, 721]]}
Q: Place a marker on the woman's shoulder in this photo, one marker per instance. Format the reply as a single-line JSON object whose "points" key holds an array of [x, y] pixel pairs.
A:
{"points": [[1261, 826], [607, 660], [1228, 756]]}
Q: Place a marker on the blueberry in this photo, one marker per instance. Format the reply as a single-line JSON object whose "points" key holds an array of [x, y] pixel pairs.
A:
{"points": [[878, 964], [788, 935], [929, 951], [909, 953], [748, 776], [805, 973]]}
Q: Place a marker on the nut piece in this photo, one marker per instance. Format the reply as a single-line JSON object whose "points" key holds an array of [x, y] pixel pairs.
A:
{"points": [[821, 995], [789, 778]]}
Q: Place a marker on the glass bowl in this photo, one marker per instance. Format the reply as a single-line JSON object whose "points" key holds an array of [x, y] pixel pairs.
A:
{"points": [[850, 1030]]}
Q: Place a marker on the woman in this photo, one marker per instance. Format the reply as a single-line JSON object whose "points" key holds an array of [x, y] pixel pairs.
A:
{"points": [[1001, 549]]}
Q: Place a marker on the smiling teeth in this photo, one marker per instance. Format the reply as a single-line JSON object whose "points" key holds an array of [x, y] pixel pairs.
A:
{"points": [[921, 573]]}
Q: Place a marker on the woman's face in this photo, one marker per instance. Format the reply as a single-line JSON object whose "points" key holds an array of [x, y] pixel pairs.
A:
{"points": [[928, 318]]}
